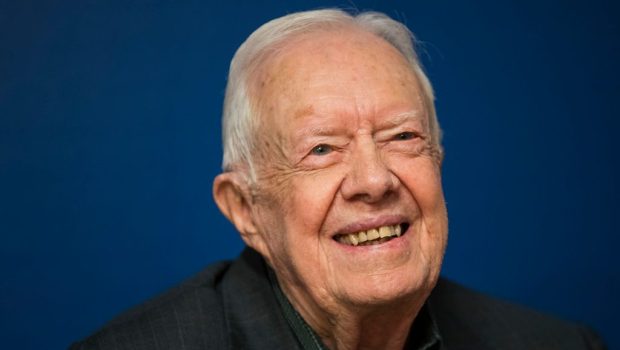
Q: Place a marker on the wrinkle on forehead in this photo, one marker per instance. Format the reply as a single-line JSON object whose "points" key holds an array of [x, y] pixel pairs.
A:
{"points": [[274, 69]]}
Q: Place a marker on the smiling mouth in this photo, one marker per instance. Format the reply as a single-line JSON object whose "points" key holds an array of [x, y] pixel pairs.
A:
{"points": [[373, 236]]}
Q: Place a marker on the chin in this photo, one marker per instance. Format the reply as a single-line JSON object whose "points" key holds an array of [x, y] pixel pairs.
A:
{"points": [[387, 289]]}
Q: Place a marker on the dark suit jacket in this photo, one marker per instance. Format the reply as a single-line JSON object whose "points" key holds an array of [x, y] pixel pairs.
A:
{"points": [[232, 306]]}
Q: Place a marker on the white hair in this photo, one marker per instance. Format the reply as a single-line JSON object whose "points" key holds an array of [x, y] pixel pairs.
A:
{"points": [[240, 116]]}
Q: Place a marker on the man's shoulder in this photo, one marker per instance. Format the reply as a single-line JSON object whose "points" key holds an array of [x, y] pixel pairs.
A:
{"points": [[469, 318], [229, 305], [183, 317]]}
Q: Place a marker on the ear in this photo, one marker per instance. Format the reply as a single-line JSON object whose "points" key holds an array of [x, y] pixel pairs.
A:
{"points": [[232, 195]]}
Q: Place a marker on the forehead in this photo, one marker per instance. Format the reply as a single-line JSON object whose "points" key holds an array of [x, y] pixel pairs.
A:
{"points": [[334, 72]]}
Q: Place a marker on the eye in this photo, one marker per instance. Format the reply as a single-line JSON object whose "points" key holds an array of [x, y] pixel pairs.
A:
{"points": [[407, 135], [321, 150]]}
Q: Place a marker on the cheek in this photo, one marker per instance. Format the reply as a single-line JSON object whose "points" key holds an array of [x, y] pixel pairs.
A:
{"points": [[309, 204], [422, 178], [423, 181], [311, 199], [293, 221]]}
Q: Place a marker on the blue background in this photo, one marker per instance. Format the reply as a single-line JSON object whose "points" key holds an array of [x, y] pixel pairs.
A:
{"points": [[109, 141]]}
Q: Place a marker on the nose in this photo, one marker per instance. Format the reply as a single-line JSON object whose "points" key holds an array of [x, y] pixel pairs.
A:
{"points": [[368, 179]]}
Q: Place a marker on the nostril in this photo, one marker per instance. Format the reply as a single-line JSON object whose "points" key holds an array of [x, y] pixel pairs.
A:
{"points": [[369, 189]]}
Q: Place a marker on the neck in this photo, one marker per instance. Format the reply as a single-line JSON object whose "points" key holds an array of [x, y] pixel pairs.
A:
{"points": [[384, 326], [387, 329]]}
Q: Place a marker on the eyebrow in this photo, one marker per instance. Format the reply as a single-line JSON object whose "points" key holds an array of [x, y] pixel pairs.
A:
{"points": [[401, 118], [304, 135], [320, 130]]}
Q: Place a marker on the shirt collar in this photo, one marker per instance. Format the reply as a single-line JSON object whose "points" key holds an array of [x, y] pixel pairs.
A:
{"points": [[305, 335]]}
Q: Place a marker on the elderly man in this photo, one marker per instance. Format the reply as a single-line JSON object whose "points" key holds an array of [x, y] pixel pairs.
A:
{"points": [[332, 162]]}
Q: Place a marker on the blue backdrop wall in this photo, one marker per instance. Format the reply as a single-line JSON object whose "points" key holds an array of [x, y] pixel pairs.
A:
{"points": [[109, 141]]}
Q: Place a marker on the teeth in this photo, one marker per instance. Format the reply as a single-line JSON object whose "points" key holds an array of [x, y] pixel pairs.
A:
{"points": [[370, 235], [385, 231], [362, 237]]}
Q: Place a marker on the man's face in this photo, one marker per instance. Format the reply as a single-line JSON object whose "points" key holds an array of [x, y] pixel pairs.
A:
{"points": [[345, 156]]}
